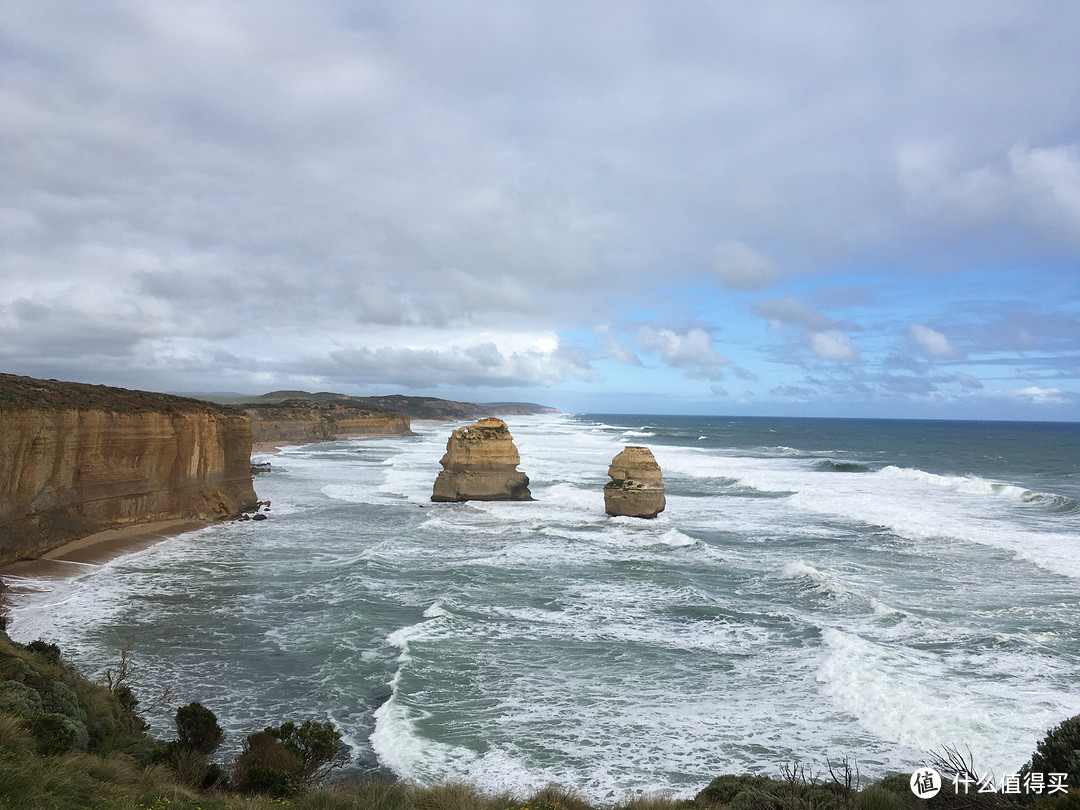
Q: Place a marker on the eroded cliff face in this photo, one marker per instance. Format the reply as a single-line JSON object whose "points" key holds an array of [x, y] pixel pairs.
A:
{"points": [[306, 421], [480, 464], [76, 459]]}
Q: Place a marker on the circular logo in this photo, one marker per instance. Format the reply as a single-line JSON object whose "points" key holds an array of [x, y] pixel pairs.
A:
{"points": [[926, 783]]}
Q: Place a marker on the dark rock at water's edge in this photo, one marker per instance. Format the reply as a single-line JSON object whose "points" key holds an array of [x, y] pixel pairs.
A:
{"points": [[636, 488], [480, 464]]}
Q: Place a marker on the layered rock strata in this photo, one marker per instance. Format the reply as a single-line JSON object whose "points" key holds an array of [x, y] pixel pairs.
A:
{"points": [[77, 459], [636, 488], [480, 464], [308, 421]]}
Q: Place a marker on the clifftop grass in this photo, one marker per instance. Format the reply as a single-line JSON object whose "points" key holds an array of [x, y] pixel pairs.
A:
{"points": [[18, 393]]}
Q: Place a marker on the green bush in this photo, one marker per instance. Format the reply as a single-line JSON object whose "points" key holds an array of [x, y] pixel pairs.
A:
{"points": [[315, 745], [49, 653], [266, 766], [197, 729], [15, 669], [724, 789], [876, 797], [1058, 752], [57, 734], [59, 698], [19, 698], [1062, 801]]}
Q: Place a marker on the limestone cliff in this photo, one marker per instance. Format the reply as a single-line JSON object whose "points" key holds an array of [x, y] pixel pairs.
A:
{"points": [[304, 421], [76, 459], [636, 488], [480, 464]]}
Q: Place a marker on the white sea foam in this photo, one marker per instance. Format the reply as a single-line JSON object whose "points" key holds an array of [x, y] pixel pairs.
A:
{"points": [[923, 700], [773, 612]]}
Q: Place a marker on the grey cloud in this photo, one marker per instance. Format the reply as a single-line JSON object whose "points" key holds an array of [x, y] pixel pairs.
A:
{"points": [[741, 268], [483, 365], [968, 381], [780, 312], [206, 170]]}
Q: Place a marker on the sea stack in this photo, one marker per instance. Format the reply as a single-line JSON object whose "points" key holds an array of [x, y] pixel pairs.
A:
{"points": [[481, 465], [636, 488]]}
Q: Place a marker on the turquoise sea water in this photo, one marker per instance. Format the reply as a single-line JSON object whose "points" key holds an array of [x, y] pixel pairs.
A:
{"points": [[815, 589]]}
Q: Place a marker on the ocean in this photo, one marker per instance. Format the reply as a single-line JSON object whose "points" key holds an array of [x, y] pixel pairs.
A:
{"points": [[816, 589]]}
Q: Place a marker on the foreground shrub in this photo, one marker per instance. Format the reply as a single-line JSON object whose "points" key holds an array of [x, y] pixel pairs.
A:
{"points": [[57, 733], [1058, 752], [50, 653], [197, 729], [267, 766], [316, 745]]}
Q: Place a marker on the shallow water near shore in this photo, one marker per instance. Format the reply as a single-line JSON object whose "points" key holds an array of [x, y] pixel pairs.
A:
{"points": [[815, 589]]}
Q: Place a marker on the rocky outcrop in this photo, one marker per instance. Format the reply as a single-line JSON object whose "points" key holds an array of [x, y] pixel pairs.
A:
{"points": [[636, 488], [77, 459], [305, 421], [480, 464]]}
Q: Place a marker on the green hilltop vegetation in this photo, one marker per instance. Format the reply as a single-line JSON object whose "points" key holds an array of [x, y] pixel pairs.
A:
{"points": [[29, 392], [69, 742], [422, 408]]}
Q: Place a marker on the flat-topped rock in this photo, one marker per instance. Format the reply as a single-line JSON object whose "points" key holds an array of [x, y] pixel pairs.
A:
{"points": [[480, 464], [636, 488]]}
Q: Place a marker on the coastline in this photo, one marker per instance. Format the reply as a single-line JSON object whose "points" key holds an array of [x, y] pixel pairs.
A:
{"points": [[71, 559]]}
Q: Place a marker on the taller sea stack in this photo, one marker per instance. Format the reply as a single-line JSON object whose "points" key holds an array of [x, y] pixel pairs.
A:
{"points": [[481, 465], [636, 488]]}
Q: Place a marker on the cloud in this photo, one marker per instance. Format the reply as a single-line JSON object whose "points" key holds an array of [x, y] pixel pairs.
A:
{"points": [[691, 351], [739, 267], [834, 346], [933, 343], [968, 381], [820, 333], [1021, 189], [786, 311], [1034, 395], [469, 364], [262, 194]]}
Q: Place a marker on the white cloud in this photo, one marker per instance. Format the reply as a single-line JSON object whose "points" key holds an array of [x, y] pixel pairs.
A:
{"points": [[742, 268], [933, 343], [1034, 395], [834, 346], [692, 351]]}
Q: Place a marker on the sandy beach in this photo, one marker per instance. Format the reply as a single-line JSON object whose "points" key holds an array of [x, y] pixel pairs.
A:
{"points": [[72, 559]]}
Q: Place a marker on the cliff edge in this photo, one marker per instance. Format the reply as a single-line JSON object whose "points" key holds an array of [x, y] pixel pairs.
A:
{"points": [[76, 459], [305, 421]]}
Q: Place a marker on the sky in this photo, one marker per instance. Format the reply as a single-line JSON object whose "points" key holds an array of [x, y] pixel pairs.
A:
{"points": [[811, 208]]}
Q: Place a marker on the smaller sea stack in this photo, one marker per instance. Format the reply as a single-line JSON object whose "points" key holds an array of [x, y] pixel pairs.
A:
{"points": [[636, 488], [481, 465]]}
